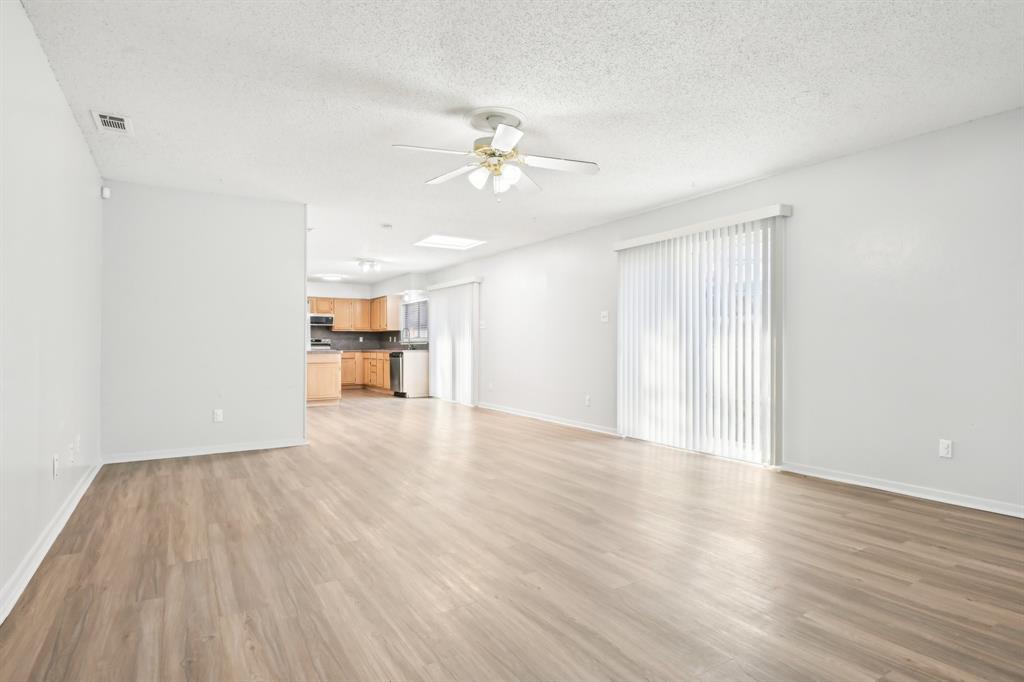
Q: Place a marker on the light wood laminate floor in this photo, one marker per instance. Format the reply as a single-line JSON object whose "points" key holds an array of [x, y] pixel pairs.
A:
{"points": [[415, 539]]}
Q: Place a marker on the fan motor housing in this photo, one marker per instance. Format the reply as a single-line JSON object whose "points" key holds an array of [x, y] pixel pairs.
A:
{"points": [[486, 119]]}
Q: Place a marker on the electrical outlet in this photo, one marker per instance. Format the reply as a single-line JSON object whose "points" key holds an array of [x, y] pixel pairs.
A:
{"points": [[360, 339], [71, 454], [586, 400], [945, 448], [56, 466], [604, 315], [218, 415]]}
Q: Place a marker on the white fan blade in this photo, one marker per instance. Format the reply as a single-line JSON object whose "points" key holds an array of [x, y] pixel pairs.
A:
{"points": [[526, 184], [506, 138], [551, 163], [431, 149], [453, 174]]}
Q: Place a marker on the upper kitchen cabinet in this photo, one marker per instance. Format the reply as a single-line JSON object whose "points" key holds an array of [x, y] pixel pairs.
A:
{"points": [[384, 313], [351, 315], [344, 315], [320, 306], [361, 314], [377, 313]]}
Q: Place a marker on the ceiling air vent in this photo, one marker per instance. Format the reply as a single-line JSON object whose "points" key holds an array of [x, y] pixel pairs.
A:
{"points": [[113, 123]]}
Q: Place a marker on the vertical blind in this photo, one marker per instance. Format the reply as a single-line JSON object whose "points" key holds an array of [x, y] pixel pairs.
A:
{"points": [[453, 336], [695, 341]]}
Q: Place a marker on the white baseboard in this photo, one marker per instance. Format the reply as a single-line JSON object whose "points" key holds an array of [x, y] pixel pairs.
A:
{"points": [[547, 418], [984, 504], [173, 453], [17, 583]]}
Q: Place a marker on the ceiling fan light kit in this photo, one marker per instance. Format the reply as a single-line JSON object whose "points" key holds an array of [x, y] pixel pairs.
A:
{"points": [[497, 158]]}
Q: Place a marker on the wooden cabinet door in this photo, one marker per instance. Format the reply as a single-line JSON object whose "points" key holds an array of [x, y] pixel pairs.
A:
{"points": [[374, 314], [361, 314], [385, 372], [370, 371], [343, 315], [348, 369], [323, 306], [359, 374], [323, 381]]}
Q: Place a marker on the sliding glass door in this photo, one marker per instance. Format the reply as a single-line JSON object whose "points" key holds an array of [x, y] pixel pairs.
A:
{"points": [[695, 366], [454, 314]]}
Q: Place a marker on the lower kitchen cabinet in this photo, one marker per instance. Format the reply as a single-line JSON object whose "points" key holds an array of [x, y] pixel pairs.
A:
{"points": [[323, 377], [349, 372], [369, 368]]}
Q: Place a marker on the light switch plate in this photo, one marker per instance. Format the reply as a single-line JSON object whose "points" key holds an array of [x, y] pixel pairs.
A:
{"points": [[218, 415], [604, 315], [945, 448]]}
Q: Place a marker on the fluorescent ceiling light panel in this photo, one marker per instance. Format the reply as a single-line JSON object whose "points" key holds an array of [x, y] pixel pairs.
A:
{"points": [[440, 241], [329, 276]]}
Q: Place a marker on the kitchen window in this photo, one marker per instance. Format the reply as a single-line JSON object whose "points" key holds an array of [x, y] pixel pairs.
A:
{"points": [[414, 322]]}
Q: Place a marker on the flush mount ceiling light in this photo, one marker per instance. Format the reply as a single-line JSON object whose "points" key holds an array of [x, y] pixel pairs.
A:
{"points": [[498, 158], [329, 276], [368, 265], [441, 241]]}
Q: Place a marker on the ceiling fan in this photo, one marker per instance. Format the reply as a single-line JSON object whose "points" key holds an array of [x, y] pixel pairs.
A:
{"points": [[497, 157]]}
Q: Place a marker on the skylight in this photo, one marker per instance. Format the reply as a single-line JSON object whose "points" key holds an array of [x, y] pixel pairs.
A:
{"points": [[440, 241]]}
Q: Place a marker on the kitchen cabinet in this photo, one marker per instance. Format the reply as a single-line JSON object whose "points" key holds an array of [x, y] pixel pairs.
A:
{"points": [[383, 370], [366, 368], [320, 306], [348, 369], [361, 314], [323, 377], [352, 315], [370, 369], [384, 313], [376, 319], [344, 315]]}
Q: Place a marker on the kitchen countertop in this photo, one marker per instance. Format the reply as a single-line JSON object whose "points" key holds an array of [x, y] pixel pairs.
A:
{"points": [[360, 350]]}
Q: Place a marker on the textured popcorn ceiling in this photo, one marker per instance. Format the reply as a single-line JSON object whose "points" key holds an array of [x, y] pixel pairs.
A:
{"points": [[301, 101]]}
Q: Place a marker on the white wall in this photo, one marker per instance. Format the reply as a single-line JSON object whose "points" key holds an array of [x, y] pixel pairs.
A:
{"points": [[339, 290], [50, 232], [203, 307], [400, 284], [904, 318]]}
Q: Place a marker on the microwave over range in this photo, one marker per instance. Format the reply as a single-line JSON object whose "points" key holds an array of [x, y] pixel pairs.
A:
{"points": [[321, 320]]}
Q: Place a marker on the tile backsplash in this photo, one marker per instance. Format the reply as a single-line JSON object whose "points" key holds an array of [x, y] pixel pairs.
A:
{"points": [[350, 340]]}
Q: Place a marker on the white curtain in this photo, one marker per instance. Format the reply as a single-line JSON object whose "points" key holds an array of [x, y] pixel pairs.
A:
{"points": [[453, 341], [695, 341]]}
